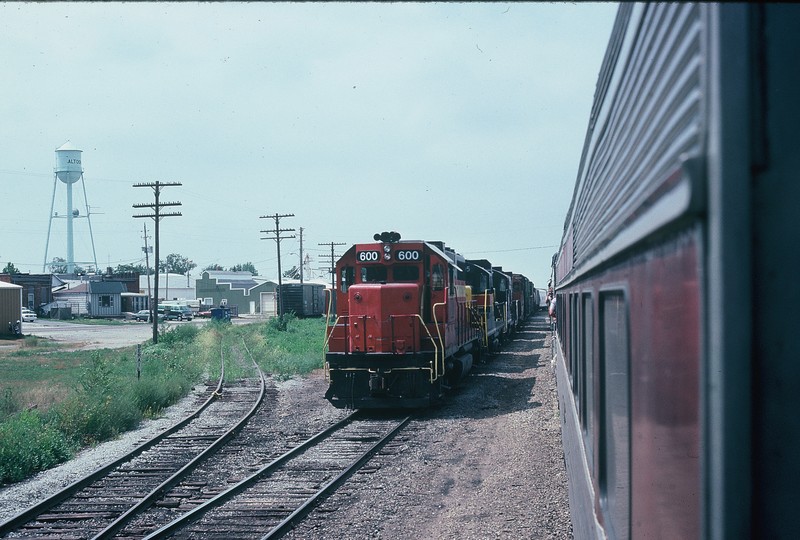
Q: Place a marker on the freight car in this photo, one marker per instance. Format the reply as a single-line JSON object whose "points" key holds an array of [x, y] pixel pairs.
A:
{"points": [[676, 280], [411, 318], [303, 299]]}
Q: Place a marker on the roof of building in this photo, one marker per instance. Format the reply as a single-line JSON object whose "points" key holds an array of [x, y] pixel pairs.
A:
{"points": [[71, 288], [237, 280], [4, 285], [106, 287]]}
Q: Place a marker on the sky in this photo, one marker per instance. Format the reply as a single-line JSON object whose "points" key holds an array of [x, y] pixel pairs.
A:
{"points": [[457, 122]]}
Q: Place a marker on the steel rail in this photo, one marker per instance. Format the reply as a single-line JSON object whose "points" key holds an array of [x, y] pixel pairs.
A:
{"points": [[296, 516], [148, 500], [197, 512], [36, 510]]}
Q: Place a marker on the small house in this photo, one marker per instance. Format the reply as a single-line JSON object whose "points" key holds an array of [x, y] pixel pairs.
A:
{"points": [[105, 298]]}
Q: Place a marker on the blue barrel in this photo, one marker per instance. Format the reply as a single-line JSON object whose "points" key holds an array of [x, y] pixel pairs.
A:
{"points": [[221, 314]]}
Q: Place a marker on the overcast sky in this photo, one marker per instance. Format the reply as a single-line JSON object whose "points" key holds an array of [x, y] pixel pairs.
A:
{"points": [[459, 122]]}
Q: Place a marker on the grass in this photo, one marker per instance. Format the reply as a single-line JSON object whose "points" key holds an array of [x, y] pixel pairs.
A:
{"points": [[96, 322], [54, 402]]}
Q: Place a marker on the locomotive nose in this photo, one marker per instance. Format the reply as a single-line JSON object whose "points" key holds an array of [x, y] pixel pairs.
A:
{"points": [[383, 318]]}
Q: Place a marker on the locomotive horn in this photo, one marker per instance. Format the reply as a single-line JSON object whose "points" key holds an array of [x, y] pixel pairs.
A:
{"points": [[390, 237]]}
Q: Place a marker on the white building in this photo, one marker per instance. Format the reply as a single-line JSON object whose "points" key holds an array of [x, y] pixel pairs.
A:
{"points": [[170, 287]]}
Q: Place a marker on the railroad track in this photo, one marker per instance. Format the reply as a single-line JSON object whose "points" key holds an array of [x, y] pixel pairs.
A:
{"points": [[106, 500], [169, 486], [271, 500]]}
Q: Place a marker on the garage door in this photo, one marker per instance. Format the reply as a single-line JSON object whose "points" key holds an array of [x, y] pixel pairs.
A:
{"points": [[269, 306]]}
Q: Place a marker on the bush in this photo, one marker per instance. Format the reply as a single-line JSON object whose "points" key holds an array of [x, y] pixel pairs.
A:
{"points": [[8, 404], [282, 323], [29, 445], [151, 396], [185, 334]]}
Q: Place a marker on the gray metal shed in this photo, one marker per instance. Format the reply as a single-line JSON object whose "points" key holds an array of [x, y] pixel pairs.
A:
{"points": [[10, 307]]}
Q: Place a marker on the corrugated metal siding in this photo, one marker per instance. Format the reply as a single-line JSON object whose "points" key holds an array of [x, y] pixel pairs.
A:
{"points": [[10, 306], [646, 118], [113, 310]]}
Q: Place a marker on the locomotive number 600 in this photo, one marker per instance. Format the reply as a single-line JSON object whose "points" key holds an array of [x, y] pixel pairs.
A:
{"points": [[408, 255], [368, 256]]}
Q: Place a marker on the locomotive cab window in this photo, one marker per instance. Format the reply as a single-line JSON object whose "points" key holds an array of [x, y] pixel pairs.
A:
{"points": [[373, 274], [347, 277], [406, 273], [437, 277]]}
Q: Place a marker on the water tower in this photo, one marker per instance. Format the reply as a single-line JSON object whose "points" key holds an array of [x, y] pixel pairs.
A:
{"points": [[69, 171]]}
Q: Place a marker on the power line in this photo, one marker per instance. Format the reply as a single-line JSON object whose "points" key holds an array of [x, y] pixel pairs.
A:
{"points": [[156, 215], [332, 261], [277, 232]]}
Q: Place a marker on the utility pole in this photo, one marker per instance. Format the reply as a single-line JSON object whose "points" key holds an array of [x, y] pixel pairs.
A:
{"points": [[157, 215], [301, 257], [277, 232], [333, 262], [147, 249]]}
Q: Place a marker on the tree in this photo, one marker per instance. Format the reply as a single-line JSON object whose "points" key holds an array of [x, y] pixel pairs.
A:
{"points": [[292, 273], [178, 264], [58, 266], [245, 267], [10, 269], [125, 268], [213, 268]]}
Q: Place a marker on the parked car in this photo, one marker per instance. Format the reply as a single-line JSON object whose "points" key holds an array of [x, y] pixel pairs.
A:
{"points": [[28, 315], [142, 315], [179, 313]]}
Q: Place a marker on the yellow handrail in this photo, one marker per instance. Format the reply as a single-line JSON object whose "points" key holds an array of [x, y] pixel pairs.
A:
{"points": [[439, 332], [486, 318], [434, 372], [325, 346]]}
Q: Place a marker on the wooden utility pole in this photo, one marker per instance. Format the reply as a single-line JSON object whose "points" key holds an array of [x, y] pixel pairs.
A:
{"points": [[332, 269], [301, 257], [157, 215], [277, 232], [147, 250]]}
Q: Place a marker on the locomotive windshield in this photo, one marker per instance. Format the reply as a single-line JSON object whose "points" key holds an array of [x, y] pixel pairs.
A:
{"points": [[376, 274], [373, 274], [406, 273]]}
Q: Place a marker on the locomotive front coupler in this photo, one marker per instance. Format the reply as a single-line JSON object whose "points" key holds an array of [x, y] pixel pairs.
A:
{"points": [[377, 383]]}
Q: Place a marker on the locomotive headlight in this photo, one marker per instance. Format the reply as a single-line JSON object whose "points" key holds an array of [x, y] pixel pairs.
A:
{"points": [[387, 256], [387, 248], [387, 252]]}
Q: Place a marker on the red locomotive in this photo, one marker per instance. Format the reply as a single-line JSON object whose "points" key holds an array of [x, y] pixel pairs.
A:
{"points": [[410, 319]]}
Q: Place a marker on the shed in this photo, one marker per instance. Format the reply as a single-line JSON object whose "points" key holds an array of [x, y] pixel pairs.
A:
{"points": [[36, 289], [105, 298], [10, 307]]}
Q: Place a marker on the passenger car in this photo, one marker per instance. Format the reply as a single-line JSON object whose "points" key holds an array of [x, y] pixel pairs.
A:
{"points": [[678, 389], [28, 315], [142, 315]]}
